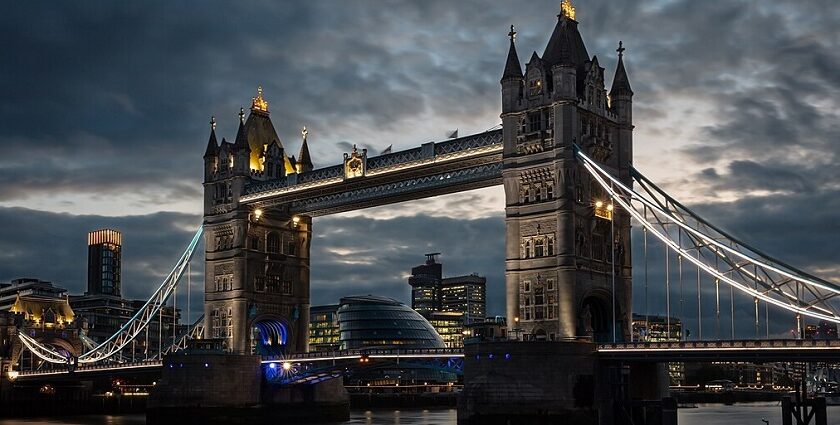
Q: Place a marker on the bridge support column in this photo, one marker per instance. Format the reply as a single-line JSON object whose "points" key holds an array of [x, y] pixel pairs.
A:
{"points": [[528, 382]]}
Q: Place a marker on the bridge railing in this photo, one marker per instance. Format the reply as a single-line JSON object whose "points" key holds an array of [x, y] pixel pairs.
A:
{"points": [[344, 354], [770, 344], [93, 367]]}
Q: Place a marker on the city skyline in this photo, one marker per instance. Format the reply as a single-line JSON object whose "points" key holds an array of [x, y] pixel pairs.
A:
{"points": [[428, 80]]}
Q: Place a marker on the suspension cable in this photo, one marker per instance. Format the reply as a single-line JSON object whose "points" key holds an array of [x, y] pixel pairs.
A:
{"points": [[612, 268], [680, 274], [699, 303], [709, 241], [667, 294], [647, 309]]}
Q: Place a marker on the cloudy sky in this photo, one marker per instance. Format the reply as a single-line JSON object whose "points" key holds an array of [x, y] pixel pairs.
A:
{"points": [[104, 109]]}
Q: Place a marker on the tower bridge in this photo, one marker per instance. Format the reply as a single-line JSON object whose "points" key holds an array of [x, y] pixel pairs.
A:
{"points": [[564, 155]]}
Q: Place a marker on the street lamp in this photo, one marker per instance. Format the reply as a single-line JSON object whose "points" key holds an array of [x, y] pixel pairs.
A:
{"points": [[516, 329]]}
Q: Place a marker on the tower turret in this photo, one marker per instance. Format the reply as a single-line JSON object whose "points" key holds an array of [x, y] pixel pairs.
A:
{"points": [[304, 161], [512, 79], [211, 154], [621, 95], [242, 154]]}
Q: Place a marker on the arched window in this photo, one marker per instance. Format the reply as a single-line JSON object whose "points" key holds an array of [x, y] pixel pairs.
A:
{"points": [[549, 191], [538, 194], [550, 246], [272, 243], [527, 253]]}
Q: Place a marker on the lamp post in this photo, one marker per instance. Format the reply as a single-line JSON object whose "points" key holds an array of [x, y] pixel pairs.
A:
{"points": [[516, 329]]}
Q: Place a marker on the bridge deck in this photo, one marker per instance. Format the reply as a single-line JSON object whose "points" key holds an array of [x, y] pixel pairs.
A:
{"points": [[759, 351], [776, 350]]}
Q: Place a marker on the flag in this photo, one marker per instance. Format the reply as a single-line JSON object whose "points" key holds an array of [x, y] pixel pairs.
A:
{"points": [[454, 134], [387, 150]]}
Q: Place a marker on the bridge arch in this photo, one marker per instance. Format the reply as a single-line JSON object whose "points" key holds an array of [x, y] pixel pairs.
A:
{"points": [[595, 318], [270, 335]]}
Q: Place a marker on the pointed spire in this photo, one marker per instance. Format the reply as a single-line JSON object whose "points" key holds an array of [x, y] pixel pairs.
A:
{"points": [[621, 84], [212, 144], [565, 45], [304, 161], [241, 135], [512, 67]]}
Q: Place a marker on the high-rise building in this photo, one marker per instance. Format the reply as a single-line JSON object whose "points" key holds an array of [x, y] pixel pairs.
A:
{"points": [[425, 284], [104, 262], [431, 292], [103, 307], [323, 328], [465, 294]]}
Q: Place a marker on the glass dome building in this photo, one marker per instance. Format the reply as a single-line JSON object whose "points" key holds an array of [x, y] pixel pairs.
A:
{"points": [[380, 322]]}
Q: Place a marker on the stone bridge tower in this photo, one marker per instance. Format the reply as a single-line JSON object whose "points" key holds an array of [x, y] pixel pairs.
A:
{"points": [[256, 262], [559, 232]]}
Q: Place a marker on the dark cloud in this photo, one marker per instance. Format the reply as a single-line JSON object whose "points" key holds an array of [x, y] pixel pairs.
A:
{"points": [[105, 99]]}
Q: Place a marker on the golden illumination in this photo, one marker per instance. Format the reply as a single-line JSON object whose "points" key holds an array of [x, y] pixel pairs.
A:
{"points": [[295, 220], [604, 211], [259, 103], [287, 365], [102, 236], [258, 213], [567, 10]]}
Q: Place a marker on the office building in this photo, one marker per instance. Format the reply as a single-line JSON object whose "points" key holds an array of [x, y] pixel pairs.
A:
{"points": [[379, 322], [323, 328], [461, 297]]}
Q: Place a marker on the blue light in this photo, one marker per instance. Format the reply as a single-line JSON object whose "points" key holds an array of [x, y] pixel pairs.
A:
{"points": [[507, 356], [490, 356], [477, 357], [206, 365], [272, 365]]}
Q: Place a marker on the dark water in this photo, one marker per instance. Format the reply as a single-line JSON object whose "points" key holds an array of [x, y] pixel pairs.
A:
{"points": [[742, 414]]}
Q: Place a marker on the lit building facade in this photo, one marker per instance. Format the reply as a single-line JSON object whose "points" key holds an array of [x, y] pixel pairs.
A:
{"points": [[567, 252], [450, 327], [445, 301], [40, 309], [104, 262], [425, 281], [465, 295], [660, 329], [379, 322], [323, 328]]}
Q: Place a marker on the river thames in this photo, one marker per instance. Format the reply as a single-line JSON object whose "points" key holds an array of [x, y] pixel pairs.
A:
{"points": [[743, 414]]}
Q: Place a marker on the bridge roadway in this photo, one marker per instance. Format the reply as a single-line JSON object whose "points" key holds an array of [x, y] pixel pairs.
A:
{"points": [[759, 351]]}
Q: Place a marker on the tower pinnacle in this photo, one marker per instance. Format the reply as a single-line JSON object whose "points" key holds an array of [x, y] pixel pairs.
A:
{"points": [[512, 34], [567, 10], [259, 103], [620, 49], [213, 123], [242, 115]]}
